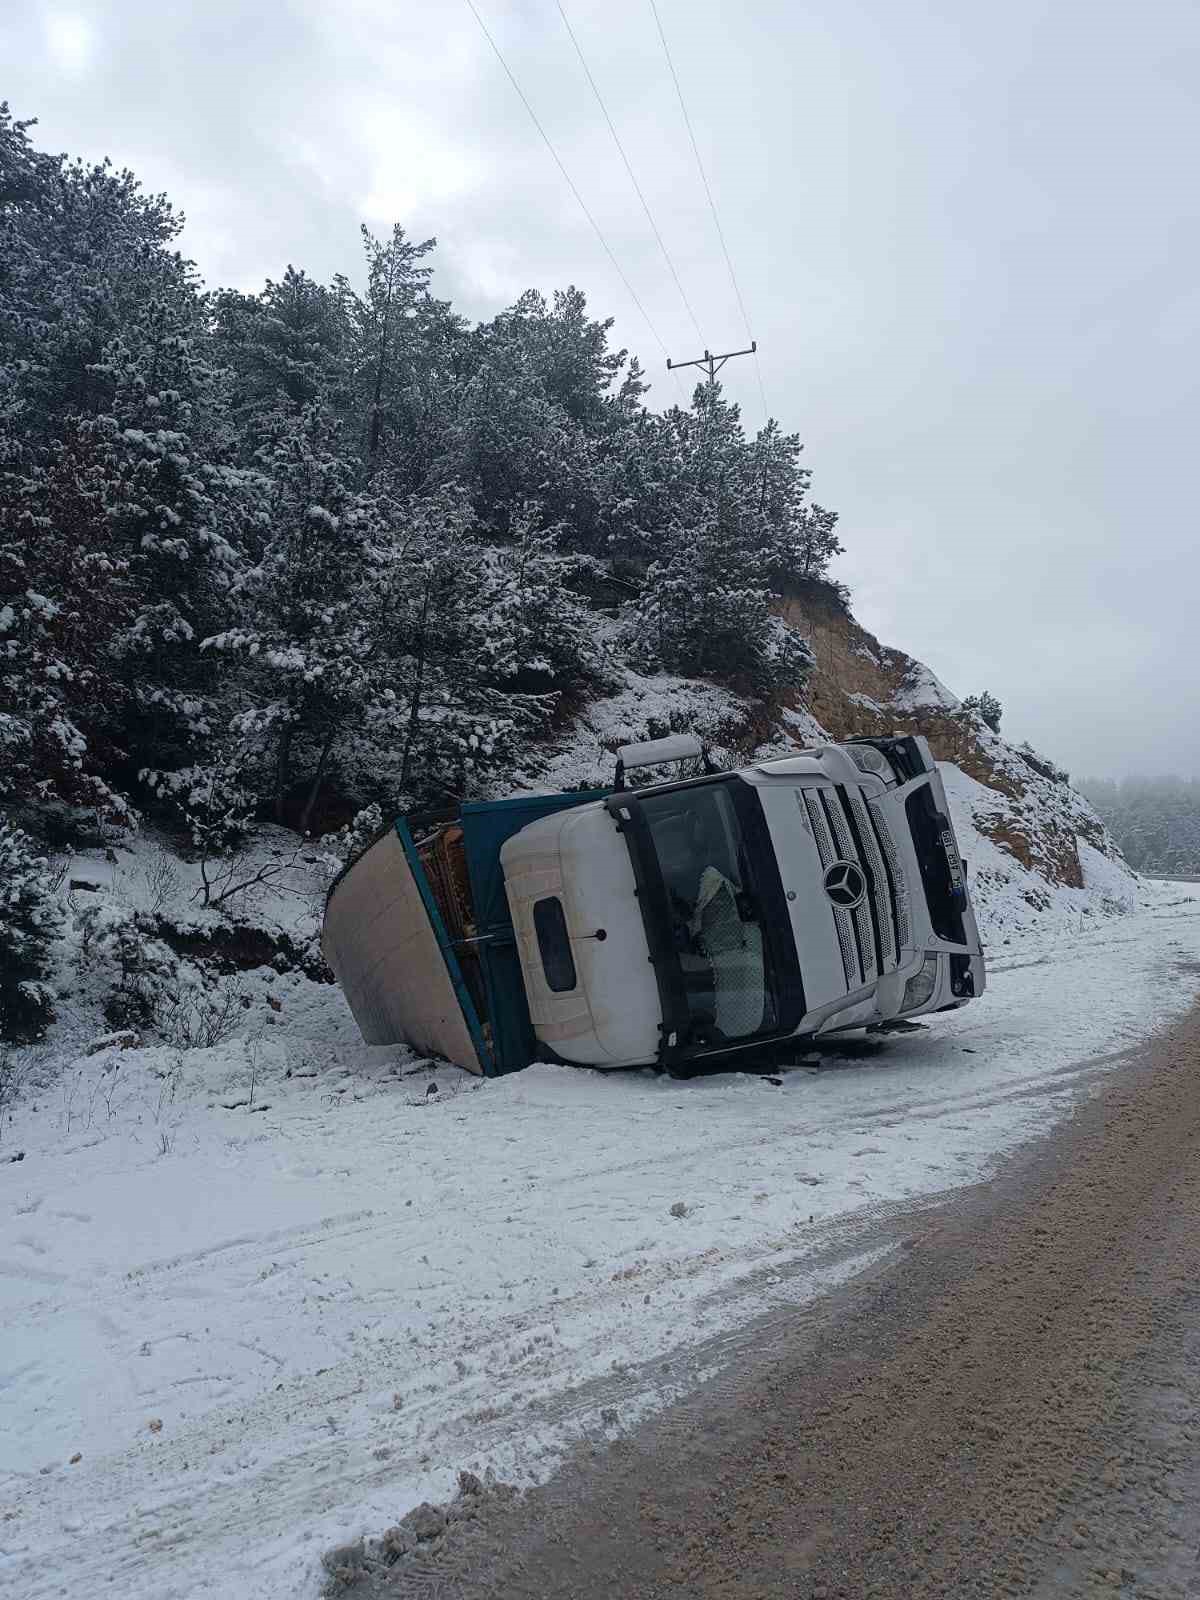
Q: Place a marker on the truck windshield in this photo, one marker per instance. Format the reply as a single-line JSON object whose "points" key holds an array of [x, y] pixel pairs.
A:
{"points": [[715, 912]]}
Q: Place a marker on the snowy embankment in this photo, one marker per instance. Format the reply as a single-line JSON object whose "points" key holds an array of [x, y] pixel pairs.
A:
{"points": [[1013, 900], [259, 1298]]}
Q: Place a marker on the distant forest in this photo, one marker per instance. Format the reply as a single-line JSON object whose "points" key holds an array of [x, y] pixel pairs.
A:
{"points": [[333, 539], [1156, 821]]}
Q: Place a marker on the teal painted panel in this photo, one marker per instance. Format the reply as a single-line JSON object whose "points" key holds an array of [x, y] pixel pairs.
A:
{"points": [[486, 825]]}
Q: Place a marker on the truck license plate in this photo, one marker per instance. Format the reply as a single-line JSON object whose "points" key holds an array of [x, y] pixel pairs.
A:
{"points": [[953, 860]]}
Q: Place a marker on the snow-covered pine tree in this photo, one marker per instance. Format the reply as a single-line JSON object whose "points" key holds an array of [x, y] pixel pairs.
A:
{"points": [[706, 605], [182, 514], [448, 710], [65, 590], [535, 635], [85, 254], [506, 429], [30, 919], [288, 348], [986, 707], [567, 353], [389, 332], [803, 535], [121, 513], [312, 614], [83, 248], [533, 416], [728, 514]]}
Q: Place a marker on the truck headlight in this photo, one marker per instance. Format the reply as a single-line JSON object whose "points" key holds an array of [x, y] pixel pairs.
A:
{"points": [[921, 985]]}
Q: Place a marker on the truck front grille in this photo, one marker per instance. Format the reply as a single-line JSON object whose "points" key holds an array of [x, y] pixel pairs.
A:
{"points": [[864, 914], [882, 892], [895, 877], [872, 935], [818, 816]]}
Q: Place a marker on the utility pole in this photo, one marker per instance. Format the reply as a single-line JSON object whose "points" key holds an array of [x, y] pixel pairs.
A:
{"points": [[712, 364]]}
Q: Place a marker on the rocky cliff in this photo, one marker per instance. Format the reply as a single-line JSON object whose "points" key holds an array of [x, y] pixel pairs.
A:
{"points": [[1035, 845]]}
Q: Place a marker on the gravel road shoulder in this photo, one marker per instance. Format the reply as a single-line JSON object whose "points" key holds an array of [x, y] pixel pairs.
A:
{"points": [[1011, 1407]]}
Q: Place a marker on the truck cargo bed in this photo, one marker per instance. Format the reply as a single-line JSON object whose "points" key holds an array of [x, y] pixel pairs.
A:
{"points": [[418, 932]]}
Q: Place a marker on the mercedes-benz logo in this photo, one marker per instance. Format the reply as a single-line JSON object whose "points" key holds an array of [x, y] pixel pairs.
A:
{"points": [[845, 884]]}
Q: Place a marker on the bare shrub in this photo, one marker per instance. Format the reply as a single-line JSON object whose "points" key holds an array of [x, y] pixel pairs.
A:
{"points": [[198, 1019], [160, 879], [228, 879], [254, 1047], [110, 1082], [1116, 906], [170, 1083]]}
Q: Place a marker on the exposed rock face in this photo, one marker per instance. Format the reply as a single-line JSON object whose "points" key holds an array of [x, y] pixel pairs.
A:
{"points": [[1013, 798]]}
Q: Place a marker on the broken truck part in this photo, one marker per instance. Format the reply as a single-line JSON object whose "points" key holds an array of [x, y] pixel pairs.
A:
{"points": [[682, 924]]}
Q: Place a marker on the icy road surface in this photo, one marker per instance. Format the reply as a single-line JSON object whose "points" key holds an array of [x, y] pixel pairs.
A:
{"points": [[248, 1315]]}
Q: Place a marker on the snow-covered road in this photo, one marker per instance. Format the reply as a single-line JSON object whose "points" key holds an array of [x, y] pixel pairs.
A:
{"points": [[264, 1328]]}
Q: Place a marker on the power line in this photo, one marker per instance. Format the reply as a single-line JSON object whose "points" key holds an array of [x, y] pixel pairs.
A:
{"points": [[637, 188], [629, 289], [712, 205]]}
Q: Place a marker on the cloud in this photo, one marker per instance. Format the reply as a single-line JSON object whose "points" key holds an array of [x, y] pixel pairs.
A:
{"points": [[70, 42]]}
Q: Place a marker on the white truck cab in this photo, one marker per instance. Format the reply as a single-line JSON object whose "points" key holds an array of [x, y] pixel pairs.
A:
{"points": [[687, 921]]}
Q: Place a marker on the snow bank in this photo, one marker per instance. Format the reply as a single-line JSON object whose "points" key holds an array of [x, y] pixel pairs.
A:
{"points": [[261, 1298], [646, 707], [922, 691]]}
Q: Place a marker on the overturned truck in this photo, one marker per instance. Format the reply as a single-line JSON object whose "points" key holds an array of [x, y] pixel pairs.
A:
{"points": [[679, 925]]}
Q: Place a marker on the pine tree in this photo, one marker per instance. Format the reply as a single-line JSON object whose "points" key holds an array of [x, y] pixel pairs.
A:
{"points": [[107, 539], [65, 591], [390, 333], [308, 626], [30, 919], [82, 248], [986, 707], [289, 348], [452, 709], [706, 606], [534, 416], [731, 519], [535, 633], [181, 514], [802, 535]]}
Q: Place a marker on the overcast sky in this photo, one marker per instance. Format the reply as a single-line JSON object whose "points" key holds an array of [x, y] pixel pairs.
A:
{"points": [[965, 232]]}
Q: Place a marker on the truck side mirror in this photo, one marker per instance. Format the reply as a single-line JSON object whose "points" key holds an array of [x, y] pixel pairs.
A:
{"points": [[657, 752]]}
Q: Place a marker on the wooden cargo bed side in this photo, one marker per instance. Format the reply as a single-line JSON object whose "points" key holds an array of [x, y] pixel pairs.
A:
{"points": [[386, 941]]}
